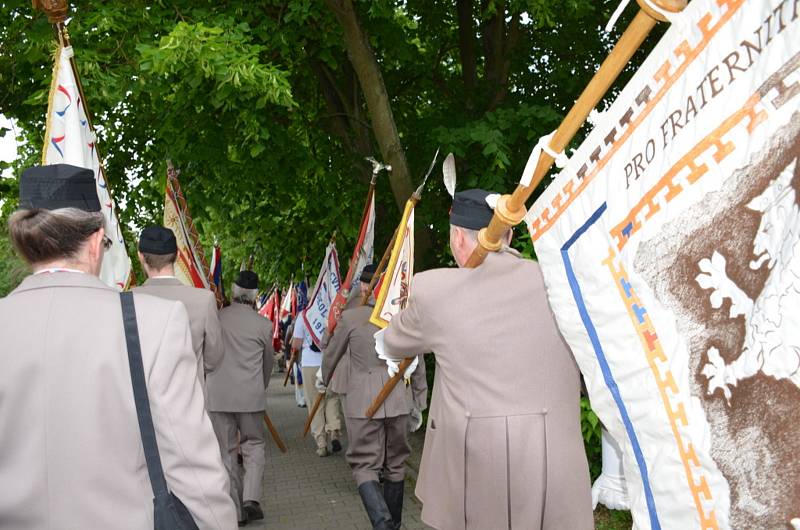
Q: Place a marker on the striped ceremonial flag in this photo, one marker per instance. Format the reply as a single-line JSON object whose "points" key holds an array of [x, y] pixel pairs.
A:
{"points": [[190, 267]]}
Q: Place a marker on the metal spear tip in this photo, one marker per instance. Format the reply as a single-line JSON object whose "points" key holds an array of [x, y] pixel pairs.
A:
{"points": [[377, 166], [418, 192]]}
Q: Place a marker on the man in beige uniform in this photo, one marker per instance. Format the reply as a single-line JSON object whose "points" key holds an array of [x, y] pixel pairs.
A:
{"points": [[70, 448], [327, 422], [157, 253], [503, 448], [236, 393], [378, 445]]}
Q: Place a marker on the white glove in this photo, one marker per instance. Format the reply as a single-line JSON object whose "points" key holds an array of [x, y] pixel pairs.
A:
{"points": [[414, 419], [319, 384], [393, 365]]}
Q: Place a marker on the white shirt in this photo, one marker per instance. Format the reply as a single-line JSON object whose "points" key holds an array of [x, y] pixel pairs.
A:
{"points": [[309, 356]]}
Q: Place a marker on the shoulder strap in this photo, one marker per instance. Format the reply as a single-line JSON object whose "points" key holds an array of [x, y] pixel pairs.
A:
{"points": [[148, 434]]}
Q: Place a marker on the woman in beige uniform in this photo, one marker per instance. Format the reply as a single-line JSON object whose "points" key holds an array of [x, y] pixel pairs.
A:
{"points": [[71, 449]]}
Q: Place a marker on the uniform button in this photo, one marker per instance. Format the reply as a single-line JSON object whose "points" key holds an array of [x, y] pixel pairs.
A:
{"points": [[544, 411], [467, 414]]}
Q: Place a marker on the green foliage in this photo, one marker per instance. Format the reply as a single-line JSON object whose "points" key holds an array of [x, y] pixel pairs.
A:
{"points": [[12, 268], [590, 429], [258, 105], [605, 519]]}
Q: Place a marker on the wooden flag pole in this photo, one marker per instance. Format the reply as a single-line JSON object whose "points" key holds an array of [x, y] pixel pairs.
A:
{"points": [[388, 387], [274, 432], [510, 210], [314, 409], [292, 360]]}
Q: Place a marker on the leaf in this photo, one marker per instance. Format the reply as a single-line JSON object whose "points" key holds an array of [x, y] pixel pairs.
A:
{"points": [[449, 174]]}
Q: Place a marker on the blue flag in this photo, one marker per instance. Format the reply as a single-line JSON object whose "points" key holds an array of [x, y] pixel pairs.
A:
{"points": [[302, 296]]}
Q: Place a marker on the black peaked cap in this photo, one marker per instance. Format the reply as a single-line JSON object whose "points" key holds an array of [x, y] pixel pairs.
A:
{"points": [[470, 209], [368, 272], [247, 280], [58, 186], [157, 240]]}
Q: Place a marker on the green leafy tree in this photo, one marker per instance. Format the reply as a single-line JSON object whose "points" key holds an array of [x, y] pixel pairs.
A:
{"points": [[269, 108]]}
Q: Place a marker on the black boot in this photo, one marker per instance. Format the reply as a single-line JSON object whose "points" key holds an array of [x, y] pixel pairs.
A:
{"points": [[393, 493], [377, 511]]}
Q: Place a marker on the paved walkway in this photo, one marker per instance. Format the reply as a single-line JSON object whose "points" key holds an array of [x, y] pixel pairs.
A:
{"points": [[305, 492]]}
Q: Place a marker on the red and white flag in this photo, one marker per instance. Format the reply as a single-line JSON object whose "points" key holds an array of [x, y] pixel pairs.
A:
{"points": [[289, 303], [270, 307], [396, 284], [70, 139], [363, 254]]}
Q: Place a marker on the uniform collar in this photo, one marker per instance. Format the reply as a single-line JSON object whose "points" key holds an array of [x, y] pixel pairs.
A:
{"points": [[61, 279], [163, 280]]}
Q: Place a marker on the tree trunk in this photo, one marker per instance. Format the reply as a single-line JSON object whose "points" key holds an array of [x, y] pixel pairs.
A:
{"points": [[466, 46], [369, 75]]}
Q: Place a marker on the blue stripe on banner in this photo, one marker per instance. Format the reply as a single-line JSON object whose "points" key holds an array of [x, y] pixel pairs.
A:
{"points": [[601, 358]]}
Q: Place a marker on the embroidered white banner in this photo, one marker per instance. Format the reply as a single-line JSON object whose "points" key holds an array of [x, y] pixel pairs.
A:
{"points": [[670, 245], [319, 304]]}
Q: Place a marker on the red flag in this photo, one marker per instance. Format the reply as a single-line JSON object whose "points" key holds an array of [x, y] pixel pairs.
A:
{"points": [[276, 328], [268, 309]]}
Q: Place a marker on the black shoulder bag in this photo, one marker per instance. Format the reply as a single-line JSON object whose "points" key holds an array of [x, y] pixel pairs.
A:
{"points": [[169, 512]]}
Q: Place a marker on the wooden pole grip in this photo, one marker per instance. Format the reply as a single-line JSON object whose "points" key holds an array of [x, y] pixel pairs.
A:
{"points": [[274, 432], [289, 370], [388, 387], [616, 61], [314, 409]]}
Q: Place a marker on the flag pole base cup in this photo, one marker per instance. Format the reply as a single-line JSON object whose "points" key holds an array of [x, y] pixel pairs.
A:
{"points": [[507, 218]]}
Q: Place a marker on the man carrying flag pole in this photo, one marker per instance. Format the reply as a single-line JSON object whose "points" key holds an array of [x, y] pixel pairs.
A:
{"points": [[497, 428], [306, 340]]}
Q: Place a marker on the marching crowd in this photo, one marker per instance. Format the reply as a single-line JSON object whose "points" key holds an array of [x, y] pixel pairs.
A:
{"points": [[132, 411]]}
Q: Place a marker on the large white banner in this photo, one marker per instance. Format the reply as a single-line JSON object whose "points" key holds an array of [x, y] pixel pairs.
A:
{"points": [[670, 245], [69, 139], [319, 304]]}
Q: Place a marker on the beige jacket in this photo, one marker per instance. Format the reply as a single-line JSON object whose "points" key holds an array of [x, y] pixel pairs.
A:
{"points": [[201, 304], [503, 447], [70, 451], [366, 373], [240, 382]]}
